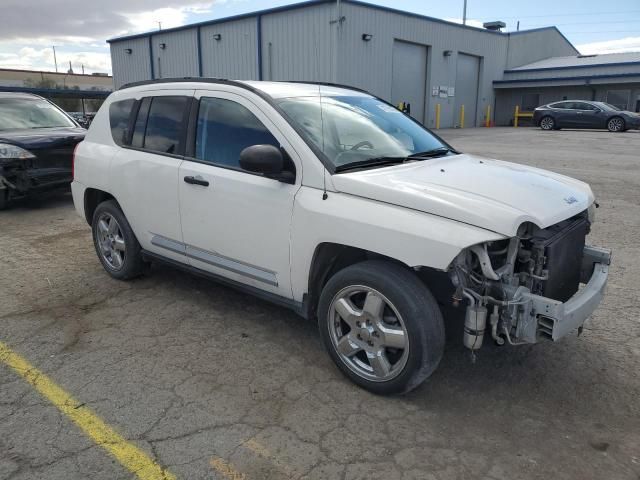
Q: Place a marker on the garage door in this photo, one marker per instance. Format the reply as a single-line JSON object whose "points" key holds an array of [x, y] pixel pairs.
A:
{"points": [[409, 76], [467, 75]]}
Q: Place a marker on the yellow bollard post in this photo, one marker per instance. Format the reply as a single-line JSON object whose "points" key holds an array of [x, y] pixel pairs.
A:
{"points": [[437, 116], [461, 116], [515, 117], [488, 119]]}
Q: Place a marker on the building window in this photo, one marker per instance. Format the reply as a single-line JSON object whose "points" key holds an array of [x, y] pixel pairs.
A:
{"points": [[618, 98], [530, 101]]}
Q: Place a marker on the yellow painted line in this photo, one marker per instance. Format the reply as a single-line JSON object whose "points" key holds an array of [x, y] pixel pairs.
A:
{"points": [[130, 456], [226, 469]]}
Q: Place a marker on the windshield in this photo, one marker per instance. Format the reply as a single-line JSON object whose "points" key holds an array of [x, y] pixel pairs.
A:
{"points": [[28, 113], [354, 129]]}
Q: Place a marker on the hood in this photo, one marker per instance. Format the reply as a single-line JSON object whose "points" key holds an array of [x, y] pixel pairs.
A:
{"points": [[490, 194], [39, 138]]}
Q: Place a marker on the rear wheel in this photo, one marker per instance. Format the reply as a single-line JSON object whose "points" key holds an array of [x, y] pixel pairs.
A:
{"points": [[381, 326], [616, 124], [4, 198], [116, 245], [547, 123]]}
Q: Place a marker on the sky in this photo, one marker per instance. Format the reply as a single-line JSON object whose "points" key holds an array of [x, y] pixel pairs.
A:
{"points": [[79, 28]]}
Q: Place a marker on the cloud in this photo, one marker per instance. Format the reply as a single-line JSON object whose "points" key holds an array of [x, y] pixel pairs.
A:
{"points": [[42, 58], [628, 44], [470, 22], [69, 21], [79, 29]]}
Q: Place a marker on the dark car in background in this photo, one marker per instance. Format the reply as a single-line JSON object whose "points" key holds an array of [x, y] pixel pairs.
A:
{"points": [[584, 114], [81, 118], [37, 140]]}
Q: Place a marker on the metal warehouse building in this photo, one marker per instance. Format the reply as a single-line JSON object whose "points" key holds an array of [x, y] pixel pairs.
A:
{"points": [[398, 56]]}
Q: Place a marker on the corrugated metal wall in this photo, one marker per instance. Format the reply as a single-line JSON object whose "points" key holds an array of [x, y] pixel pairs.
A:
{"points": [[528, 47], [179, 58], [130, 67], [234, 56], [297, 44], [368, 64], [307, 43]]}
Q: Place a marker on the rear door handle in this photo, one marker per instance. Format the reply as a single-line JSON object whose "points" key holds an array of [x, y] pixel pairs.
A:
{"points": [[197, 180]]}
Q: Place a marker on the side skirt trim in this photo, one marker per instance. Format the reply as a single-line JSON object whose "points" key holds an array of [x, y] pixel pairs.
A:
{"points": [[220, 261]]}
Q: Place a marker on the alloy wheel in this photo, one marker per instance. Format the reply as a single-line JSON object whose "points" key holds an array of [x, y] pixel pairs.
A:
{"points": [[546, 123], [616, 124], [368, 333], [111, 241]]}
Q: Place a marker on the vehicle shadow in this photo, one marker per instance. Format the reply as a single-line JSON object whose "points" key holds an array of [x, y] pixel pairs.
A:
{"points": [[592, 130], [532, 373], [40, 202]]}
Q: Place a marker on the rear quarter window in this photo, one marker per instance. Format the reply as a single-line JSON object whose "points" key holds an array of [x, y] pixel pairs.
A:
{"points": [[119, 116]]}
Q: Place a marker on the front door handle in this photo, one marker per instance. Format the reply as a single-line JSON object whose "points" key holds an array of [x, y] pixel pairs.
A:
{"points": [[197, 180]]}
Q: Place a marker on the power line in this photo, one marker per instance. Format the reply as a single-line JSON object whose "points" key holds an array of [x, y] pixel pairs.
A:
{"points": [[603, 22], [559, 15], [601, 31]]}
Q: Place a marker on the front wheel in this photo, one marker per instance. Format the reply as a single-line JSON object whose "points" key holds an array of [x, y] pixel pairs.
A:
{"points": [[616, 124], [547, 123], [381, 326]]}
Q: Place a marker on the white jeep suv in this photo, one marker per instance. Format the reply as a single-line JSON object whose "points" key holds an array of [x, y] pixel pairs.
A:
{"points": [[332, 202]]}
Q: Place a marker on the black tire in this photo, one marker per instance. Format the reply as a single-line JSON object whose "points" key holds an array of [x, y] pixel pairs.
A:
{"points": [[416, 305], [616, 124], [548, 123], [4, 198], [132, 263]]}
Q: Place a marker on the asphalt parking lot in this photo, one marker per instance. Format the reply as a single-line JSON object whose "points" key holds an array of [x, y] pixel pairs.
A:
{"points": [[212, 383]]}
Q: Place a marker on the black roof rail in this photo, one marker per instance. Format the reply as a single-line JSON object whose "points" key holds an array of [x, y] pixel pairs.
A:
{"points": [[234, 82], [327, 84], [179, 79]]}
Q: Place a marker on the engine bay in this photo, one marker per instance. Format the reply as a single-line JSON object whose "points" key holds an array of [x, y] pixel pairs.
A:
{"points": [[499, 280]]}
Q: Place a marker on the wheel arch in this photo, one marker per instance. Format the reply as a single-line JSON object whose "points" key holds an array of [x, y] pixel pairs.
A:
{"points": [[329, 258], [92, 198]]}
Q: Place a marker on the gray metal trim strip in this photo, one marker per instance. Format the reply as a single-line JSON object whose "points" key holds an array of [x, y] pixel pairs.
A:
{"points": [[216, 260]]}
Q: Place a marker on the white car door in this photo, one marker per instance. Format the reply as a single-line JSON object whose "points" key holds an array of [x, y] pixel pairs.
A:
{"points": [[236, 223], [145, 174]]}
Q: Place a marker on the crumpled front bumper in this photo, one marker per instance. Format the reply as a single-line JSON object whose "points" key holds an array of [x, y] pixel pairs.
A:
{"points": [[555, 319]]}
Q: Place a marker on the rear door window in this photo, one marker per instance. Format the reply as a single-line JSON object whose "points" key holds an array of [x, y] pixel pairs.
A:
{"points": [[140, 125], [119, 117], [165, 124]]}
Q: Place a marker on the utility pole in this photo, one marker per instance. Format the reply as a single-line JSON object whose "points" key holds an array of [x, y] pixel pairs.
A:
{"points": [[55, 60], [464, 13]]}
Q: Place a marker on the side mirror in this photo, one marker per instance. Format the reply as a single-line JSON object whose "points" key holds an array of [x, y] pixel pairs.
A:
{"points": [[265, 159]]}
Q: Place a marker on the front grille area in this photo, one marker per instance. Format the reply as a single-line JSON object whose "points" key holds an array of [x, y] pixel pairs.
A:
{"points": [[558, 252]]}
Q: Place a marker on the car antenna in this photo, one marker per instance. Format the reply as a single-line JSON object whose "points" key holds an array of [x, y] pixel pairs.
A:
{"points": [[324, 185], [324, 172]]}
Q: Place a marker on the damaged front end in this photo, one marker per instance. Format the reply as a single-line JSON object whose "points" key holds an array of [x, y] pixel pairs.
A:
{"points": [[527, 288]]}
